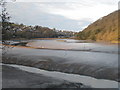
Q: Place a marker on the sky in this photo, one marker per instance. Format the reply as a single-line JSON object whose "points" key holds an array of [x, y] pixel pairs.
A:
{"points": [[70, 15]]}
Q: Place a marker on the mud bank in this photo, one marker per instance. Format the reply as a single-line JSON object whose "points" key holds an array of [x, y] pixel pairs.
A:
{"points": [[62, 62], [73, 78], [15, 78], [91, 59]]}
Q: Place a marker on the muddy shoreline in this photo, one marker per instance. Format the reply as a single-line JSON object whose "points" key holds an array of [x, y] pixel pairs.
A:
{"points": [[16, 78], [97, 64], [58, 64]]}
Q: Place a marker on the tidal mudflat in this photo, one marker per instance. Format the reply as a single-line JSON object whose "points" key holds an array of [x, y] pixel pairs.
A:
{"points": [[96, 60]]}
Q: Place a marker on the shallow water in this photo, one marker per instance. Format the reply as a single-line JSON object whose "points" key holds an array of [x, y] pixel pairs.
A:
{"points": [[71, 44]]}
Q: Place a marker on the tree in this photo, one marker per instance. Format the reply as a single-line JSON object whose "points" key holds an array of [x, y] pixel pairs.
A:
{"points": [[5, 26], [5, 19]]}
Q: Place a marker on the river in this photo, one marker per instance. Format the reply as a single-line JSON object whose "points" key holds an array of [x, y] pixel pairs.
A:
{"points": [[98, 60]]}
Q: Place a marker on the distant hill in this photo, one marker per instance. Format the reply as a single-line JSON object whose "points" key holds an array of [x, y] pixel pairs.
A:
{"points": [[104, 29], [20, 31]]}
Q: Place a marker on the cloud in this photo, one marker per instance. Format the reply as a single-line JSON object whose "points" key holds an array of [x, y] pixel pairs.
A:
{"points": [[78, 11], [24, 13], [87, 1], [63, 14]]}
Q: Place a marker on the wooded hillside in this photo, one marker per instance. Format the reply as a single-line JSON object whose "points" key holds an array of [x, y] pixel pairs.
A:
{"points": [[17, 31]]}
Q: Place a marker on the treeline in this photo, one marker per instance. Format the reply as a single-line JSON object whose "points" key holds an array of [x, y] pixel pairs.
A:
{"points": [[104, 29], [16, 31]]}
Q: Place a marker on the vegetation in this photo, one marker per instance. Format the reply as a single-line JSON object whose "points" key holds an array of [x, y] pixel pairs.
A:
{"points": [[18, 31], [5, 18], [104, 29]]}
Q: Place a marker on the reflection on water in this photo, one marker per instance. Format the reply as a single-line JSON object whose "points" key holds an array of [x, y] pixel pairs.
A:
{"points": [[71, 44]]}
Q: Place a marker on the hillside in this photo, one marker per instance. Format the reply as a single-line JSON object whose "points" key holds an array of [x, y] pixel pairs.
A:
{"points": [[104, 29], [19, 31]]}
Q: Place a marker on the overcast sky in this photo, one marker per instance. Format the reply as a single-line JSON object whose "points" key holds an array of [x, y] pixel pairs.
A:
{"points": [[60, 14]]}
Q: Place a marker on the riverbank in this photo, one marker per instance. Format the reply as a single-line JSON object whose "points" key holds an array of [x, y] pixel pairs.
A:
{"points": [[62, 80], [16, 78], [101, 62], [104, 66]]}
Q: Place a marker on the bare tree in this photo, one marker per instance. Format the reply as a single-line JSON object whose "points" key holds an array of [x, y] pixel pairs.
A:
{"points": [[4, 26]]}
